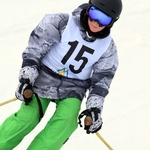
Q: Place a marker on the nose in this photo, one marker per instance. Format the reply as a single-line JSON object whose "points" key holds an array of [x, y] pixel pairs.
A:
{"points": [[95, 23]]}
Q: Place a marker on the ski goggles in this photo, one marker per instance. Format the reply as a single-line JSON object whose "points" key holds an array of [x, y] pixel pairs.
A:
{"points": [[97, 15]]}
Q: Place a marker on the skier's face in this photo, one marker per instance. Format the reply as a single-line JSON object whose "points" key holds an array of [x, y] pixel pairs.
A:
{"points": [[94, 26]]}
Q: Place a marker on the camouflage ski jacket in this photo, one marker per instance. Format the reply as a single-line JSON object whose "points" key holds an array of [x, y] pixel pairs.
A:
{"points": [[51, 85]]}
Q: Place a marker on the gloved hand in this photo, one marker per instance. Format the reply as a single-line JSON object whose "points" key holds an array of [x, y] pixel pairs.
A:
{"points": [[94, 108], [27, 77], [96, 121]]}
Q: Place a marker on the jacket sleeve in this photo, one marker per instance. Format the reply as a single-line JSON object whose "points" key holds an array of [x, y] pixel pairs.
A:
{"points": [[103, 73], [43, 37]]}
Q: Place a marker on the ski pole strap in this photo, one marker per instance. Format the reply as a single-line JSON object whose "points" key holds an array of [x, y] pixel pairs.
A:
{"points": [[41, 113]]}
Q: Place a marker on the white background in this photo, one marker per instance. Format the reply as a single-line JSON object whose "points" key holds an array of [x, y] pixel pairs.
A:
{"points": [[127, 107]]}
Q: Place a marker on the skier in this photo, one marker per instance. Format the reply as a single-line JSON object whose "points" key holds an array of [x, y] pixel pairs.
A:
{"points": [[67, 55]]}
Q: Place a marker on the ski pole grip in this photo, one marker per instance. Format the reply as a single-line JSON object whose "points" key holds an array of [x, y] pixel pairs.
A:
{"points": [[88, 120], [28, 93]]}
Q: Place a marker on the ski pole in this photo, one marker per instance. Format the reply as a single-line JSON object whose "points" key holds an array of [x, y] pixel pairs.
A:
{"points": [[103, 140], [8, 101], [88, 122], [27, 94]]}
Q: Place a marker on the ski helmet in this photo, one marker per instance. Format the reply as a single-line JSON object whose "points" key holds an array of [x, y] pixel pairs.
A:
{"points": [[112, 8]]}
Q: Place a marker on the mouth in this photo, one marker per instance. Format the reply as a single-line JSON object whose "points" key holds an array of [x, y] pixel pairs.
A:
{"points": [[94, 25]]}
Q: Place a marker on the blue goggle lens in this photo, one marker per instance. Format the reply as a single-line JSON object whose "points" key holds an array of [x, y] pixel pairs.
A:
{"points": [[99, 16]]}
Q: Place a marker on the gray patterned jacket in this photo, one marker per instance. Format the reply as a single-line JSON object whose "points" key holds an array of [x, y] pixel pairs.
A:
{"points": [[53, 86]]}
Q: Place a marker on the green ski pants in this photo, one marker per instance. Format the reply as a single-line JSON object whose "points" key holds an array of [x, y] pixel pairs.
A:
{"points": [[58, 129]]}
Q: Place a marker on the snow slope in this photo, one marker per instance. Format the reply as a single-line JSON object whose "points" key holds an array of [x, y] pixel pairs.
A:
{"points": [[127, 107]]}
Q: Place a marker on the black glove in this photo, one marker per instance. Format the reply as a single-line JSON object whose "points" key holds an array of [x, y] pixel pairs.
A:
{"points": [[94, 107], [95, 122], [27, 78]]}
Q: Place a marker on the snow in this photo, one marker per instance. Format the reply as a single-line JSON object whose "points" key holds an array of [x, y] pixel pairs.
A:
{"points": [[127, 107]]}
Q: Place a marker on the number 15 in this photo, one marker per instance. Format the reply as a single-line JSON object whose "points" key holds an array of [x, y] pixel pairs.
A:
{"points": [[78, 57]]}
